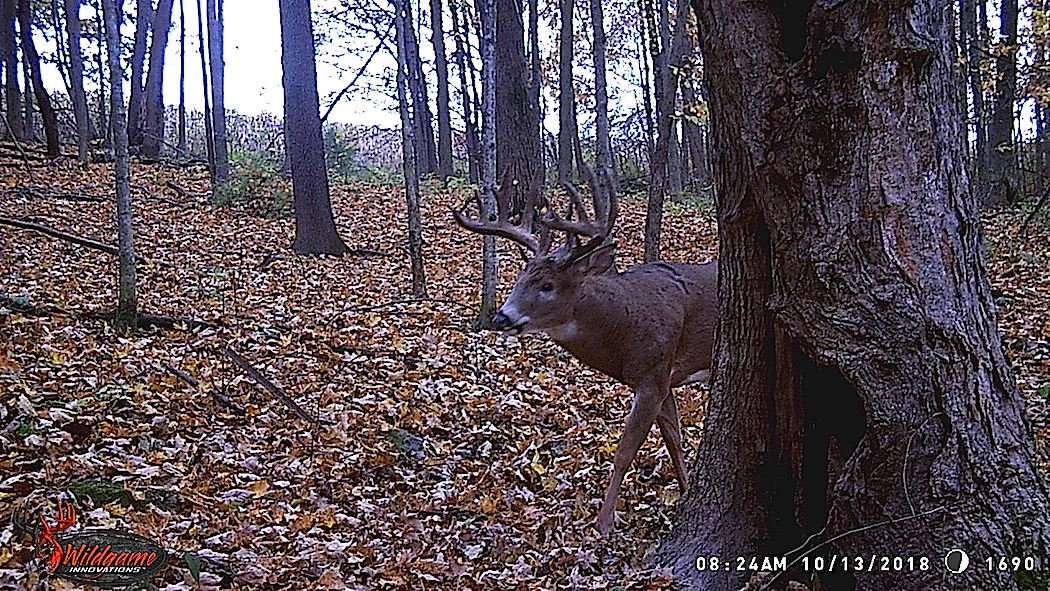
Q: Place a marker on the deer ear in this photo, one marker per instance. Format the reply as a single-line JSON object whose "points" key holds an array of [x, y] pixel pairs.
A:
{"points": [[596, 261]]}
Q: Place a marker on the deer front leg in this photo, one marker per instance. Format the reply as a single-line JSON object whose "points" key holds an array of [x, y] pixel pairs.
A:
{"points": [[671, 431], [644, 410]]}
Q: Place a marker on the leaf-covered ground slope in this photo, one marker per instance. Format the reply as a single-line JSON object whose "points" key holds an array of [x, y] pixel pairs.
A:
{"points": [[435, 457]]}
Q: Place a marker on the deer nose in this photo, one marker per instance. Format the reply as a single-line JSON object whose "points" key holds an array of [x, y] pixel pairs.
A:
{"points": [[501, 321]]}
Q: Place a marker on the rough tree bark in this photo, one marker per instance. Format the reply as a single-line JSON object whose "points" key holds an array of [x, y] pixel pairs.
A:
{"points": [[402, 22], [861, 402], [136, 102], [76, 80], [315, 231], [518, 147], [127, 299], [217, 66], [1001, 181], [153, 125], [566, 93], [32, 60], [437, 38], [666, 92]]}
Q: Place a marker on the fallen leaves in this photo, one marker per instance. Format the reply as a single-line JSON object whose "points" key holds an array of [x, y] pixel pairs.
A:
{"points": [[439, 457]]}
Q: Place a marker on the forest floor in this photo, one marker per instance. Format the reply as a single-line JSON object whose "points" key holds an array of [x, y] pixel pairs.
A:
{"points": [[431, 456]]}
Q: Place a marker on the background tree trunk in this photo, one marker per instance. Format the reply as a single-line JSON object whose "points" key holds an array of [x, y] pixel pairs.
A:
{"points": [[605, 176], [460, 33], [402, 22], [43, 99], [12, 91], [426, 152], [127, 299], [209, 134], [315, 231], [136, 104], [76, 80], [490, 257], [566, 93], [153, 126], [665, 100], [28, 119], [860, 394], [518, 147], [217, 65], [444, 147], [1001, 181], [182, 80], [100, 63]]}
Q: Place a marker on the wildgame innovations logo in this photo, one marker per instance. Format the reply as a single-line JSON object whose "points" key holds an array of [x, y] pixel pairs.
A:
{"points": [[97, 557]]}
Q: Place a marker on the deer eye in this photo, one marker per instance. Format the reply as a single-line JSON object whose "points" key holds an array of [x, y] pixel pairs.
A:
{"points": [[547, 286]]}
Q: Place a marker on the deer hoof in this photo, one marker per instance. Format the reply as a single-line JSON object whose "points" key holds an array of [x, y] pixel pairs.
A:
{"points": [[605, 523]]}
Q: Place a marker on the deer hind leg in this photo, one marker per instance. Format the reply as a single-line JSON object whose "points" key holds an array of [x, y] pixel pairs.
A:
{"points": [[671, 431], [644, 410]]}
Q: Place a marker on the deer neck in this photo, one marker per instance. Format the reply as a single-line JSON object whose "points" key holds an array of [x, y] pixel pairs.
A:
{"points": [[596, 319]]}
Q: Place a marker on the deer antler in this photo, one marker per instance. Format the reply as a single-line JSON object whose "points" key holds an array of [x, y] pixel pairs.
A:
{"points": [[598, 230], [522, 231]]}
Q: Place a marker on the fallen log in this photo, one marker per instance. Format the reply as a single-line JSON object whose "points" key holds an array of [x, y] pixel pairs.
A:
{"points": [[266, 384]]}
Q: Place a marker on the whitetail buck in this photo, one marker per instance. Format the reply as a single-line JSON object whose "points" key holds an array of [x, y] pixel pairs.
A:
{"points": [[650, 327]]}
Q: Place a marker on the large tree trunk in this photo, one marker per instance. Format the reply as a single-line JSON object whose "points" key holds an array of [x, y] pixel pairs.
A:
{"points": [[127, 300], [518, 146], [402, 22], [1001, 181], [460, 33], [76, 80], [153, 126], [217, 66], [666, 93], [136, 103], [861, 404], [566, 93], [315, 231], [444, 147], [43, 99]]}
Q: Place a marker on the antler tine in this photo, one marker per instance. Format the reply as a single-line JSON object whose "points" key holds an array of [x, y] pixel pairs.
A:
{"points": [[575, 201], [502, 226]]}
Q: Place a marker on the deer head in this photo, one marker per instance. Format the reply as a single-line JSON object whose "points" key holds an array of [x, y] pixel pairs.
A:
{"points": [[546, 291]]}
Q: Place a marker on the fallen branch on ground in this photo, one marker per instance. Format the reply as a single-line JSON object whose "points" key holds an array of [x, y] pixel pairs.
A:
{"points": [[192, 382], [156, 321], [44, 194], [79, 240], [269, 386]]}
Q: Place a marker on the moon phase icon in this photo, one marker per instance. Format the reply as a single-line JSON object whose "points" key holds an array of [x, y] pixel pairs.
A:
{"points": [[956, 561]]}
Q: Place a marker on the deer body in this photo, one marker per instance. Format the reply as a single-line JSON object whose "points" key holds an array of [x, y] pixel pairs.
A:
{"points": [[651, 318], [650, 327]]}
